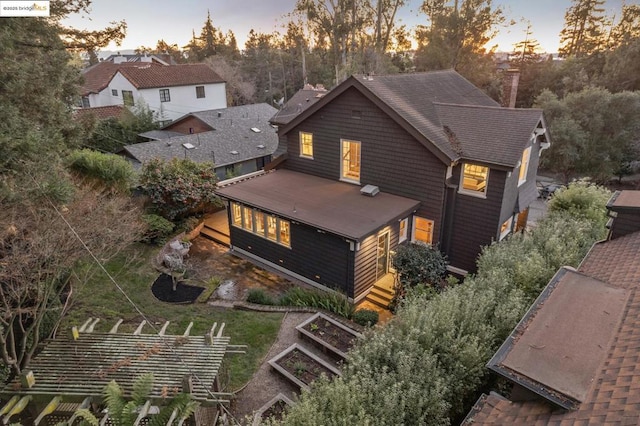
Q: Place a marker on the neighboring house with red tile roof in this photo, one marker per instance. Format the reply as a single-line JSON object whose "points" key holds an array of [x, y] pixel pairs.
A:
{"points": [[170, 91], [573, 359], [101, 113], [460, 171]]}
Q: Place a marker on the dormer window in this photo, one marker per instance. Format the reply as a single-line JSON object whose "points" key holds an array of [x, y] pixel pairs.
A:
{"points": [[524, 166], [474, 179]]}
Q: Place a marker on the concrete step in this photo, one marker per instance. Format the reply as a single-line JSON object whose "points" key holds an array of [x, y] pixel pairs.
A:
{"points": [[216, 236], [381, 293], [383, 290]]}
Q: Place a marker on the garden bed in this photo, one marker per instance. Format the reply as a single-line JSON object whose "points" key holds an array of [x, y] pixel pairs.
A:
{"points": [[275, 409], [301, 367], [330, 335]]}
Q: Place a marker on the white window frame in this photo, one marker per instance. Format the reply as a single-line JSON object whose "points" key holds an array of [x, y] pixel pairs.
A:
{"points": [[507, 228], [165, 95], [200, 89], [413, 229], [343, 177], [474, 193], [524, 166], [403, 231], [301, 136]]}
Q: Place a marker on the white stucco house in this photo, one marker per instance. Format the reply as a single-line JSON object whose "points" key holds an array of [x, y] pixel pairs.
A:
{"points": [[170, 91]]}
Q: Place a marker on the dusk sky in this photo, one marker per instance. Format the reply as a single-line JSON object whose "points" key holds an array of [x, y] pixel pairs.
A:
{"points": [[151, 20]]}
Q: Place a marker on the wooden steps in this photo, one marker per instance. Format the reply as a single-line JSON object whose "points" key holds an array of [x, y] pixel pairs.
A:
{"points": [[215, 235], [380, 296]]}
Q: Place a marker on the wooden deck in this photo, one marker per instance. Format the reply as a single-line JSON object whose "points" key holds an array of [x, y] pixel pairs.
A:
{"points": [[216, 228]]}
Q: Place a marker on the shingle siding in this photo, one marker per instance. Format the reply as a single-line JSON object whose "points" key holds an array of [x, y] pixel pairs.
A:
{"points": [[475, 221], [331, 269], [391, 158]]}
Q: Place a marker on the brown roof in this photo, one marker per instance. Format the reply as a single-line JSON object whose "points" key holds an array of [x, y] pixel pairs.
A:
{"points": [[147, 75], [101, 113], [626, 199], [426, 104], [613, 395], [311, 200]]}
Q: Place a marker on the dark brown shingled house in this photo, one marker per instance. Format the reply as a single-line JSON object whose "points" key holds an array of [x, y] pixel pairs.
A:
{"points": [[573, 359], [379, 161]]}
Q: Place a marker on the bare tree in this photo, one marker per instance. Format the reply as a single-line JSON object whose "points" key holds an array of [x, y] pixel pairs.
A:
{"points": [[44, 255]]}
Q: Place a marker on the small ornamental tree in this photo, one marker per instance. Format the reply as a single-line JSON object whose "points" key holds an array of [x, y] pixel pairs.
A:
{"points": [[180, 187]]}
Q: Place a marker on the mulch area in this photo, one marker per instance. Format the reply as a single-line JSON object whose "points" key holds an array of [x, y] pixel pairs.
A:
{"points": [[162, 289]]}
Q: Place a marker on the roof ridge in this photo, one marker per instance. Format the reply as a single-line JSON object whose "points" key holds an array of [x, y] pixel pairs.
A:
{"points": [[498, 108]]}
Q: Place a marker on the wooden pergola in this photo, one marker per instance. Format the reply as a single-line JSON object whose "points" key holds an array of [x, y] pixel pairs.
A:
{"points": [[72, 372]]}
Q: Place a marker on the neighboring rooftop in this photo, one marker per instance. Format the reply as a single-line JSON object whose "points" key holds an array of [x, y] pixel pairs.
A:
{"points": [[311, 200], [604, 364], [101, 113], [300, 101], [626, 199], [240, 134], [146, 75]]}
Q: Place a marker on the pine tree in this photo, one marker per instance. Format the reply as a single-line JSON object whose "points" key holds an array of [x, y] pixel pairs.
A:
{"points": [[584, 28]]}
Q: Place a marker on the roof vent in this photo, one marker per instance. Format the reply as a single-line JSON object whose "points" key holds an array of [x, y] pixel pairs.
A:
{"points": [[255, 130], [260, 146], [370, 190], [188, 145], [234, 152]]}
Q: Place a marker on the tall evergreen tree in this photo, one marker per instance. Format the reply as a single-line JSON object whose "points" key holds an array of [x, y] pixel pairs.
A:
{"points": [[584, 28]]}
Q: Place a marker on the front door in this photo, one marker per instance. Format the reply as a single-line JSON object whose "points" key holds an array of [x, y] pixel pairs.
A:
{"points": [[382, 267]]}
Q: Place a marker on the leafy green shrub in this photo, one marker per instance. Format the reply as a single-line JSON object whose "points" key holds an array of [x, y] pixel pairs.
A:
{"points": [[259, 297], [158, 229], [330, 301], [180, 187], [581, 199], [365, 317], [419, 263], [113, 170]]}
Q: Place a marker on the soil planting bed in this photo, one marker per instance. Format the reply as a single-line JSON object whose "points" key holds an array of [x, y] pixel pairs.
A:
{"points": [[301, 367], [276, 408], [162, 289], [330, 335]]}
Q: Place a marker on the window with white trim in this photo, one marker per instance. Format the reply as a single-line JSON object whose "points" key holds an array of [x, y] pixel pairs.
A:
{"points": [[350, 164], [524, 166], [474, 179], [402, 233], [127, 98], [200, 92], [505, 229], [422, 230], [306, 145], [262, 224]]}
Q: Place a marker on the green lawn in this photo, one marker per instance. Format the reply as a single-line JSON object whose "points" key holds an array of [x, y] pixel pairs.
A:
{"points": [[132, 270]]}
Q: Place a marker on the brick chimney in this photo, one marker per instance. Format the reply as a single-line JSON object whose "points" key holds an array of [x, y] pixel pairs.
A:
{"points": [[510, 79], [624, 211]]}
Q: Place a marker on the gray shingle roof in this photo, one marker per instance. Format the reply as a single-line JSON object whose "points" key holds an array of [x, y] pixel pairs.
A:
{"points": [[223, 117], [453, 118], [489, 134], [300, 101], [234, 135]]}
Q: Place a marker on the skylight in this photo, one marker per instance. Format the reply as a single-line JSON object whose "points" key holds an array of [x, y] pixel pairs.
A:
{"points": [[255, 130], [188, 145]]}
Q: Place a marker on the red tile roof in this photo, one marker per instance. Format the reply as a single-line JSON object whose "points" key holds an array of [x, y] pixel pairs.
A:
{"points": [[147, 75], [613, 396], [101, 113]]}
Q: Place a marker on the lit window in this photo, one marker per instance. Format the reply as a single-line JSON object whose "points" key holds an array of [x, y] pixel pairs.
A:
{"points": [[422, 230], [272, 224], [474, 178], [524, 166], [402, 234], [164, 95], [350, 168], [259, 216], [285, 233], [236, 214], [306, 145], [505, 229], [127, 97], [248, 218], [199, 92]]}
